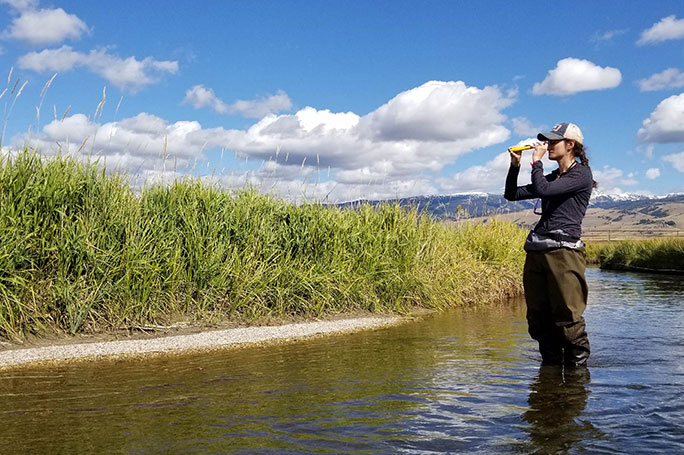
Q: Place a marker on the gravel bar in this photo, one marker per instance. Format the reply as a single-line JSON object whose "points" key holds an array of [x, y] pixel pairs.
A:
{"points": [[208, 340]]}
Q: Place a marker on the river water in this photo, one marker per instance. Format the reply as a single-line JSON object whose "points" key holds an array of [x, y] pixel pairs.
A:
{"points": [[466, 381]]}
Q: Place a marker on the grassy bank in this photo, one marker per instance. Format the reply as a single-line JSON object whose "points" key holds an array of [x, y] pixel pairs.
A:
{"points": [[666, 254], [80, 251]]}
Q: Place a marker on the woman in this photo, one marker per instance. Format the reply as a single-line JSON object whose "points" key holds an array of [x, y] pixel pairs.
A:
{"points": [[553, 277]]}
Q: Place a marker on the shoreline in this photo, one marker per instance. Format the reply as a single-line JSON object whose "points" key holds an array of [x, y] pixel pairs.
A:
{"points": [[207, 340]]}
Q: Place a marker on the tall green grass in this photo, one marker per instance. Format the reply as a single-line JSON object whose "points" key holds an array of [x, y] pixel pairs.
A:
{"points": [[665, 254], [81, 251]]}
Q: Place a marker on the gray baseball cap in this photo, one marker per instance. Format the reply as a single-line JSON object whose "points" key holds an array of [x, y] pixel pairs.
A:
{"points": [[562, 131]]}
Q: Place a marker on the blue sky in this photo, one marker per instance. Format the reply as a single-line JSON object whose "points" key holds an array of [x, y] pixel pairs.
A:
{"points": [[347, 100]]}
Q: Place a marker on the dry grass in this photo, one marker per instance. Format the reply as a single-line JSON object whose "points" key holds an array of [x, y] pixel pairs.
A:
{"points": [[656, 254]]}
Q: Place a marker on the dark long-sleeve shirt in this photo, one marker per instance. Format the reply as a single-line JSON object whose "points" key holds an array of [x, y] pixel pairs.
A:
{"points": [[564, 197]]}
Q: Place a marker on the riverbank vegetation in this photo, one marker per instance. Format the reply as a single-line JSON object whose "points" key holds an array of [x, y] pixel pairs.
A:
{"points": [[664, 254], [81, 251]]}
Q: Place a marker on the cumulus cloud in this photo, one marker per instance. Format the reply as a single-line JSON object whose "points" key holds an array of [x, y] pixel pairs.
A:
{"points": [[677, 160], [128, 74], [315, 135], [62, 59], [200, 96], [441, 111], [45, 26], [611, 179], [573, 75], [471, 118], [261, 107], [351, 156], [653, 173], [666, 122], [132, 145], [670, 78], [524, 127], [668, 28], [490, 177], [310, 188]]}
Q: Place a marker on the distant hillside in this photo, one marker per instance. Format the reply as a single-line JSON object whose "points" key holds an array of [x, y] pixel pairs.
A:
{"points": [[632, 202], [458, 206], [469, 205]]}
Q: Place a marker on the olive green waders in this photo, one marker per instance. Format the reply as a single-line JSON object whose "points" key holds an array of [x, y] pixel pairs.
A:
{"points": [[556, 295]]}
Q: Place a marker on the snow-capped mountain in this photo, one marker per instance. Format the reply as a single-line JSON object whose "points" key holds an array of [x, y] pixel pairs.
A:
{"points": [[626, 200], [467, 205]]}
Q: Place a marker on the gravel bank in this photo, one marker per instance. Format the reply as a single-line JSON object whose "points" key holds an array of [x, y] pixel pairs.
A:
{"points": [[209, 340]]}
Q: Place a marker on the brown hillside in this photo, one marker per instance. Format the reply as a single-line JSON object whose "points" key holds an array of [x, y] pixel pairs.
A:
{"points": [[655, 220]]}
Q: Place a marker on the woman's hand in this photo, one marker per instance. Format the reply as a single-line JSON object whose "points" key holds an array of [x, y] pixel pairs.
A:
{"points": [[540, 149], [515, 157]]}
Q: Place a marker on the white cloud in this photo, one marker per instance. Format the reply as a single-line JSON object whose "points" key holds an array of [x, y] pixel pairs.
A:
{"points": [[630, 180], [677, 160], [62, 59], [341, 153], [608, 35], [128, 73], [666, 122], [310, 188], [653, 173], [523, 127], [134, 144], [670, 78], [573, 75], [610, 179], [45, 26], [261, 107], [405, 131], [200, 96], [441, 111], [669, 28], [489, 177], [21, 5]]}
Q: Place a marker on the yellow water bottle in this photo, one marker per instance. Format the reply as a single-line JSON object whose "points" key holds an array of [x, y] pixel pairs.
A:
{"points": [[521, 148]]}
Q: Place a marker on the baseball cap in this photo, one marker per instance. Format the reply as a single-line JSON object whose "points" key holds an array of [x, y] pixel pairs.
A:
{"points": [[562, 131]]}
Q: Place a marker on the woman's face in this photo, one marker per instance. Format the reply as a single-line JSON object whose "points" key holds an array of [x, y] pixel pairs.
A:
{"points": [[559, 149]]}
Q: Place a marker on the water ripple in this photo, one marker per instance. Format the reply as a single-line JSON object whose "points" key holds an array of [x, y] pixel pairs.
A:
{"points": [[460, 382]]}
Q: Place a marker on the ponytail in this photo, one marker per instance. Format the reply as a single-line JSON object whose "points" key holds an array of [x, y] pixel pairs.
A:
{"points": [[579, 152]]}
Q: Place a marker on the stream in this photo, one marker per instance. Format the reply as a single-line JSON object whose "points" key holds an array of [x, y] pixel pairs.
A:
{"points": [[462, 381]]}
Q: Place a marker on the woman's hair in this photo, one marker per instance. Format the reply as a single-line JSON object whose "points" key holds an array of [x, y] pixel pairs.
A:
{"points": [[579, 152]]}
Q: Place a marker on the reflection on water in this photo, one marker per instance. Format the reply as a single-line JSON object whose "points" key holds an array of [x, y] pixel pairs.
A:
{"points": [[557, 399], [460, 382]]}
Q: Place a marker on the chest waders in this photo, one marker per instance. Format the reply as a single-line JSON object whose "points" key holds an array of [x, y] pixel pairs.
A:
{"points": [[556, 294]]}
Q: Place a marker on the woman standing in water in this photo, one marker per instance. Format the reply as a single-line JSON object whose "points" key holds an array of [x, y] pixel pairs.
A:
{"points": [[553, 277]]}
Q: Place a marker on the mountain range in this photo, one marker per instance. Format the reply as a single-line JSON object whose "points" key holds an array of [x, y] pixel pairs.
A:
{"points": [[471, 205]]}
